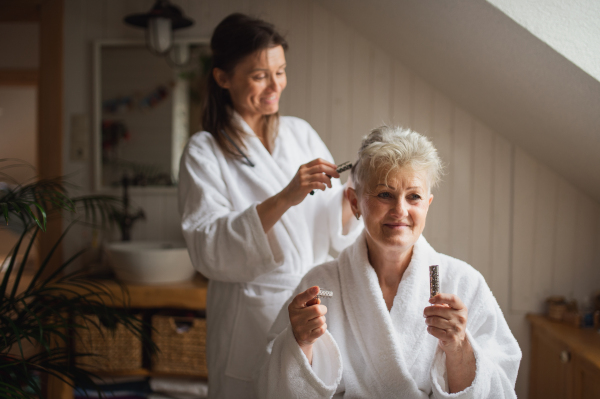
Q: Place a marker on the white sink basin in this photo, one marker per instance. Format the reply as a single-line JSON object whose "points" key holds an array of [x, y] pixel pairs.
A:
{"points": [[150, 262]]}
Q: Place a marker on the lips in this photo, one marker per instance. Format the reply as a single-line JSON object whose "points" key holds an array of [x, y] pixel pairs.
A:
{"points": [[270, 99], [397, 225]]}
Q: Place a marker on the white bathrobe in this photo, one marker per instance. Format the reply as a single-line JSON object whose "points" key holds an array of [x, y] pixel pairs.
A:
{"points": [[369, 352], [252, 273]]}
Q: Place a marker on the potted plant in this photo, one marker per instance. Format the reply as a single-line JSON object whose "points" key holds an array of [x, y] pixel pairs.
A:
{"points": [[41, 313]]}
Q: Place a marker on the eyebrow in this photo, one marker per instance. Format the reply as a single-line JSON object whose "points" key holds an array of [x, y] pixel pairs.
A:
{"points": [[267, 69], [393, 188]]}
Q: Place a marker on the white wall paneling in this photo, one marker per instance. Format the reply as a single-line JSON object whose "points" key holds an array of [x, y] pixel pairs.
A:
{"points": [[525, 228]]}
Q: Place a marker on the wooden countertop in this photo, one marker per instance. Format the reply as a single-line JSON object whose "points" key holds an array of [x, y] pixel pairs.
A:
{"points": [[584, 342], [185, 295]]}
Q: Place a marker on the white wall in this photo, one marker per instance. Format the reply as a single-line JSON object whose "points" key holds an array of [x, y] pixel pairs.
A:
{"points": [[525, 228], [569, 27]]}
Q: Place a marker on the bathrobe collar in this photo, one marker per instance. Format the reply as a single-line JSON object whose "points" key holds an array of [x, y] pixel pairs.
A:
{"points": [[272, 177], [386, 344]]}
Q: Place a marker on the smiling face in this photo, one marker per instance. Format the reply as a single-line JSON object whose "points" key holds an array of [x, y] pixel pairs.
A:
{"points": [[394, 209], [256, 82]]}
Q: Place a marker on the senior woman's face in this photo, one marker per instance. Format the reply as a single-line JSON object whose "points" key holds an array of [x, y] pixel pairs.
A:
{"points": [[395, 209], [256, 82]]}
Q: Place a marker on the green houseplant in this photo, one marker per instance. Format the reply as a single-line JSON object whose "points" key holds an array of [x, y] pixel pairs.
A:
{"points": [[41, 313]]}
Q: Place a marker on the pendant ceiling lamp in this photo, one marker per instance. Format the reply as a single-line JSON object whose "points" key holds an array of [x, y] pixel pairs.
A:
{"points": [[160, 22]]}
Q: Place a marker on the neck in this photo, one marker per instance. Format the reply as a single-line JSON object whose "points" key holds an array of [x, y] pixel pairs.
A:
{"points": [[389, 264], [256, 122]]}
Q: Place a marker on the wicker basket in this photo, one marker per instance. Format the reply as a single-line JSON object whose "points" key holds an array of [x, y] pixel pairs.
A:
{"points": [[182, 345], [115, 350]]}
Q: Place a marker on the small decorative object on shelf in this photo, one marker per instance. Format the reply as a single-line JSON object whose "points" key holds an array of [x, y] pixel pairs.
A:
{"points": [[556, 307]]}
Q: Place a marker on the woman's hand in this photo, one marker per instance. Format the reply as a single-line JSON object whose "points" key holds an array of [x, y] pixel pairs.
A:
{"points": [[307, 317], [446, 320], [311, 176], [315, 175]]}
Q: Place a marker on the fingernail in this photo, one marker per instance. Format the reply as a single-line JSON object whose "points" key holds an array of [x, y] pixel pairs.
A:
{"points": [[314, 290]]}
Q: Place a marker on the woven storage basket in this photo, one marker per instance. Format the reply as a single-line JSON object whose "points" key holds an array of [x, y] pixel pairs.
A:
{"points": [[182, 345], [115, 350]]}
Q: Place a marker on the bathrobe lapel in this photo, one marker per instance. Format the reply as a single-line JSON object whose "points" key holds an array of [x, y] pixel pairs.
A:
{"points": [[388, 347], [272, 177], [411, 300]]}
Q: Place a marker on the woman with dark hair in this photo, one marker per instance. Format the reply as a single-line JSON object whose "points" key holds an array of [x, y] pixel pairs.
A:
{"points": [[249, 222]]}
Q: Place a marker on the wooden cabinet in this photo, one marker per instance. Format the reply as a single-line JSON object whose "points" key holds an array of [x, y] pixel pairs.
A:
{"points": [[186, 295], [565, 361]]}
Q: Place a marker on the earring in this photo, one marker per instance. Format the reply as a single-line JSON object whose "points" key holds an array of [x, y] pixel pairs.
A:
{"points": [[357, 216]]}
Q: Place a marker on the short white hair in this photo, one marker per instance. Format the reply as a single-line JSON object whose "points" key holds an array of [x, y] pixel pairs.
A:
{"points": [[388, 148]]}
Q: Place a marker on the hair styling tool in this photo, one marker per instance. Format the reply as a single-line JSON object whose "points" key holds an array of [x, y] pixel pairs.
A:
{"points": [[340, 168], [324, 294], [434, 281], [237, 148]]}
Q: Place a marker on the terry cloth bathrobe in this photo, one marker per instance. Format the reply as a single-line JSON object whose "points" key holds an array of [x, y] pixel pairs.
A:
{"points": [[252, 273], [370, 352]]}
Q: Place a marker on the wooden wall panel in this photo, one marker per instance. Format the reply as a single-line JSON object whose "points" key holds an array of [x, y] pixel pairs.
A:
{"points": [[544, 234], [381, 76], [361, 90], [585, 244], [340, 141], [460, 178], [525, 175], [481, 221], [501, 225], [319, 82], [564, 246], [442, 201], [400, 95], [298, 59]]}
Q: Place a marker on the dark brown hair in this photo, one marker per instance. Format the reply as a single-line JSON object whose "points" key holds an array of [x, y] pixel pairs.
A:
{"points": [[236, 37]]}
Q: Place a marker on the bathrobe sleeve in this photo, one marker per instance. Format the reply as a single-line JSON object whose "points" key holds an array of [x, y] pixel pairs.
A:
{"points": [[285, 371], [335, 198], [223, 244], [497, 353]]}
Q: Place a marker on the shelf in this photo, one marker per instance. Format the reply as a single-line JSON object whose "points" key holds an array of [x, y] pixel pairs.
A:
{"points": [[145, 373], [185, 295]]}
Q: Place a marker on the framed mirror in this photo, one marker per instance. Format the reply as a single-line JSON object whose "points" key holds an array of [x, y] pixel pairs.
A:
{"points": [[145, 109]]}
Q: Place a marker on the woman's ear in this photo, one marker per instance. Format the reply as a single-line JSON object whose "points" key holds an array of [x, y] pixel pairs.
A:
{"points": [[353, 199], [221, 78]]}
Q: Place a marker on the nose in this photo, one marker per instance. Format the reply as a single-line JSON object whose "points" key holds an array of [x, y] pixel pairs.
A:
{"points": [[274, 83], [401, 207]]}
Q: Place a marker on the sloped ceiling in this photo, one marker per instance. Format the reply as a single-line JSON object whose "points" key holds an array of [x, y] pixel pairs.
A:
{"points": [[498, 71]]}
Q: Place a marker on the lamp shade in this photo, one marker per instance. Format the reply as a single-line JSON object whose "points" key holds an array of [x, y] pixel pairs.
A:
{"points": [[160, 35], [161, 9]]}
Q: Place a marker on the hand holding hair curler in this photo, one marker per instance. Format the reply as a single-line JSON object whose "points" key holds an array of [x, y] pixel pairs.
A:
{"points": [[307, 318], [340, 168]]}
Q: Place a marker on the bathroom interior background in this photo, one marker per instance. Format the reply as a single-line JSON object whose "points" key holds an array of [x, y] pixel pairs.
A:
{"points": [[528, 230]]}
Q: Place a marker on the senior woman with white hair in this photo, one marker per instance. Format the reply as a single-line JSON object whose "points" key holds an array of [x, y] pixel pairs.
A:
{"points": [[384, 336]]}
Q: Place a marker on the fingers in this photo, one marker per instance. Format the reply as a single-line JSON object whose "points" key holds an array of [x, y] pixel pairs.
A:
{"points": [[449, 299], [321, 161], [322, 168], [307, 316], [443, 311], [301, 300]]}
